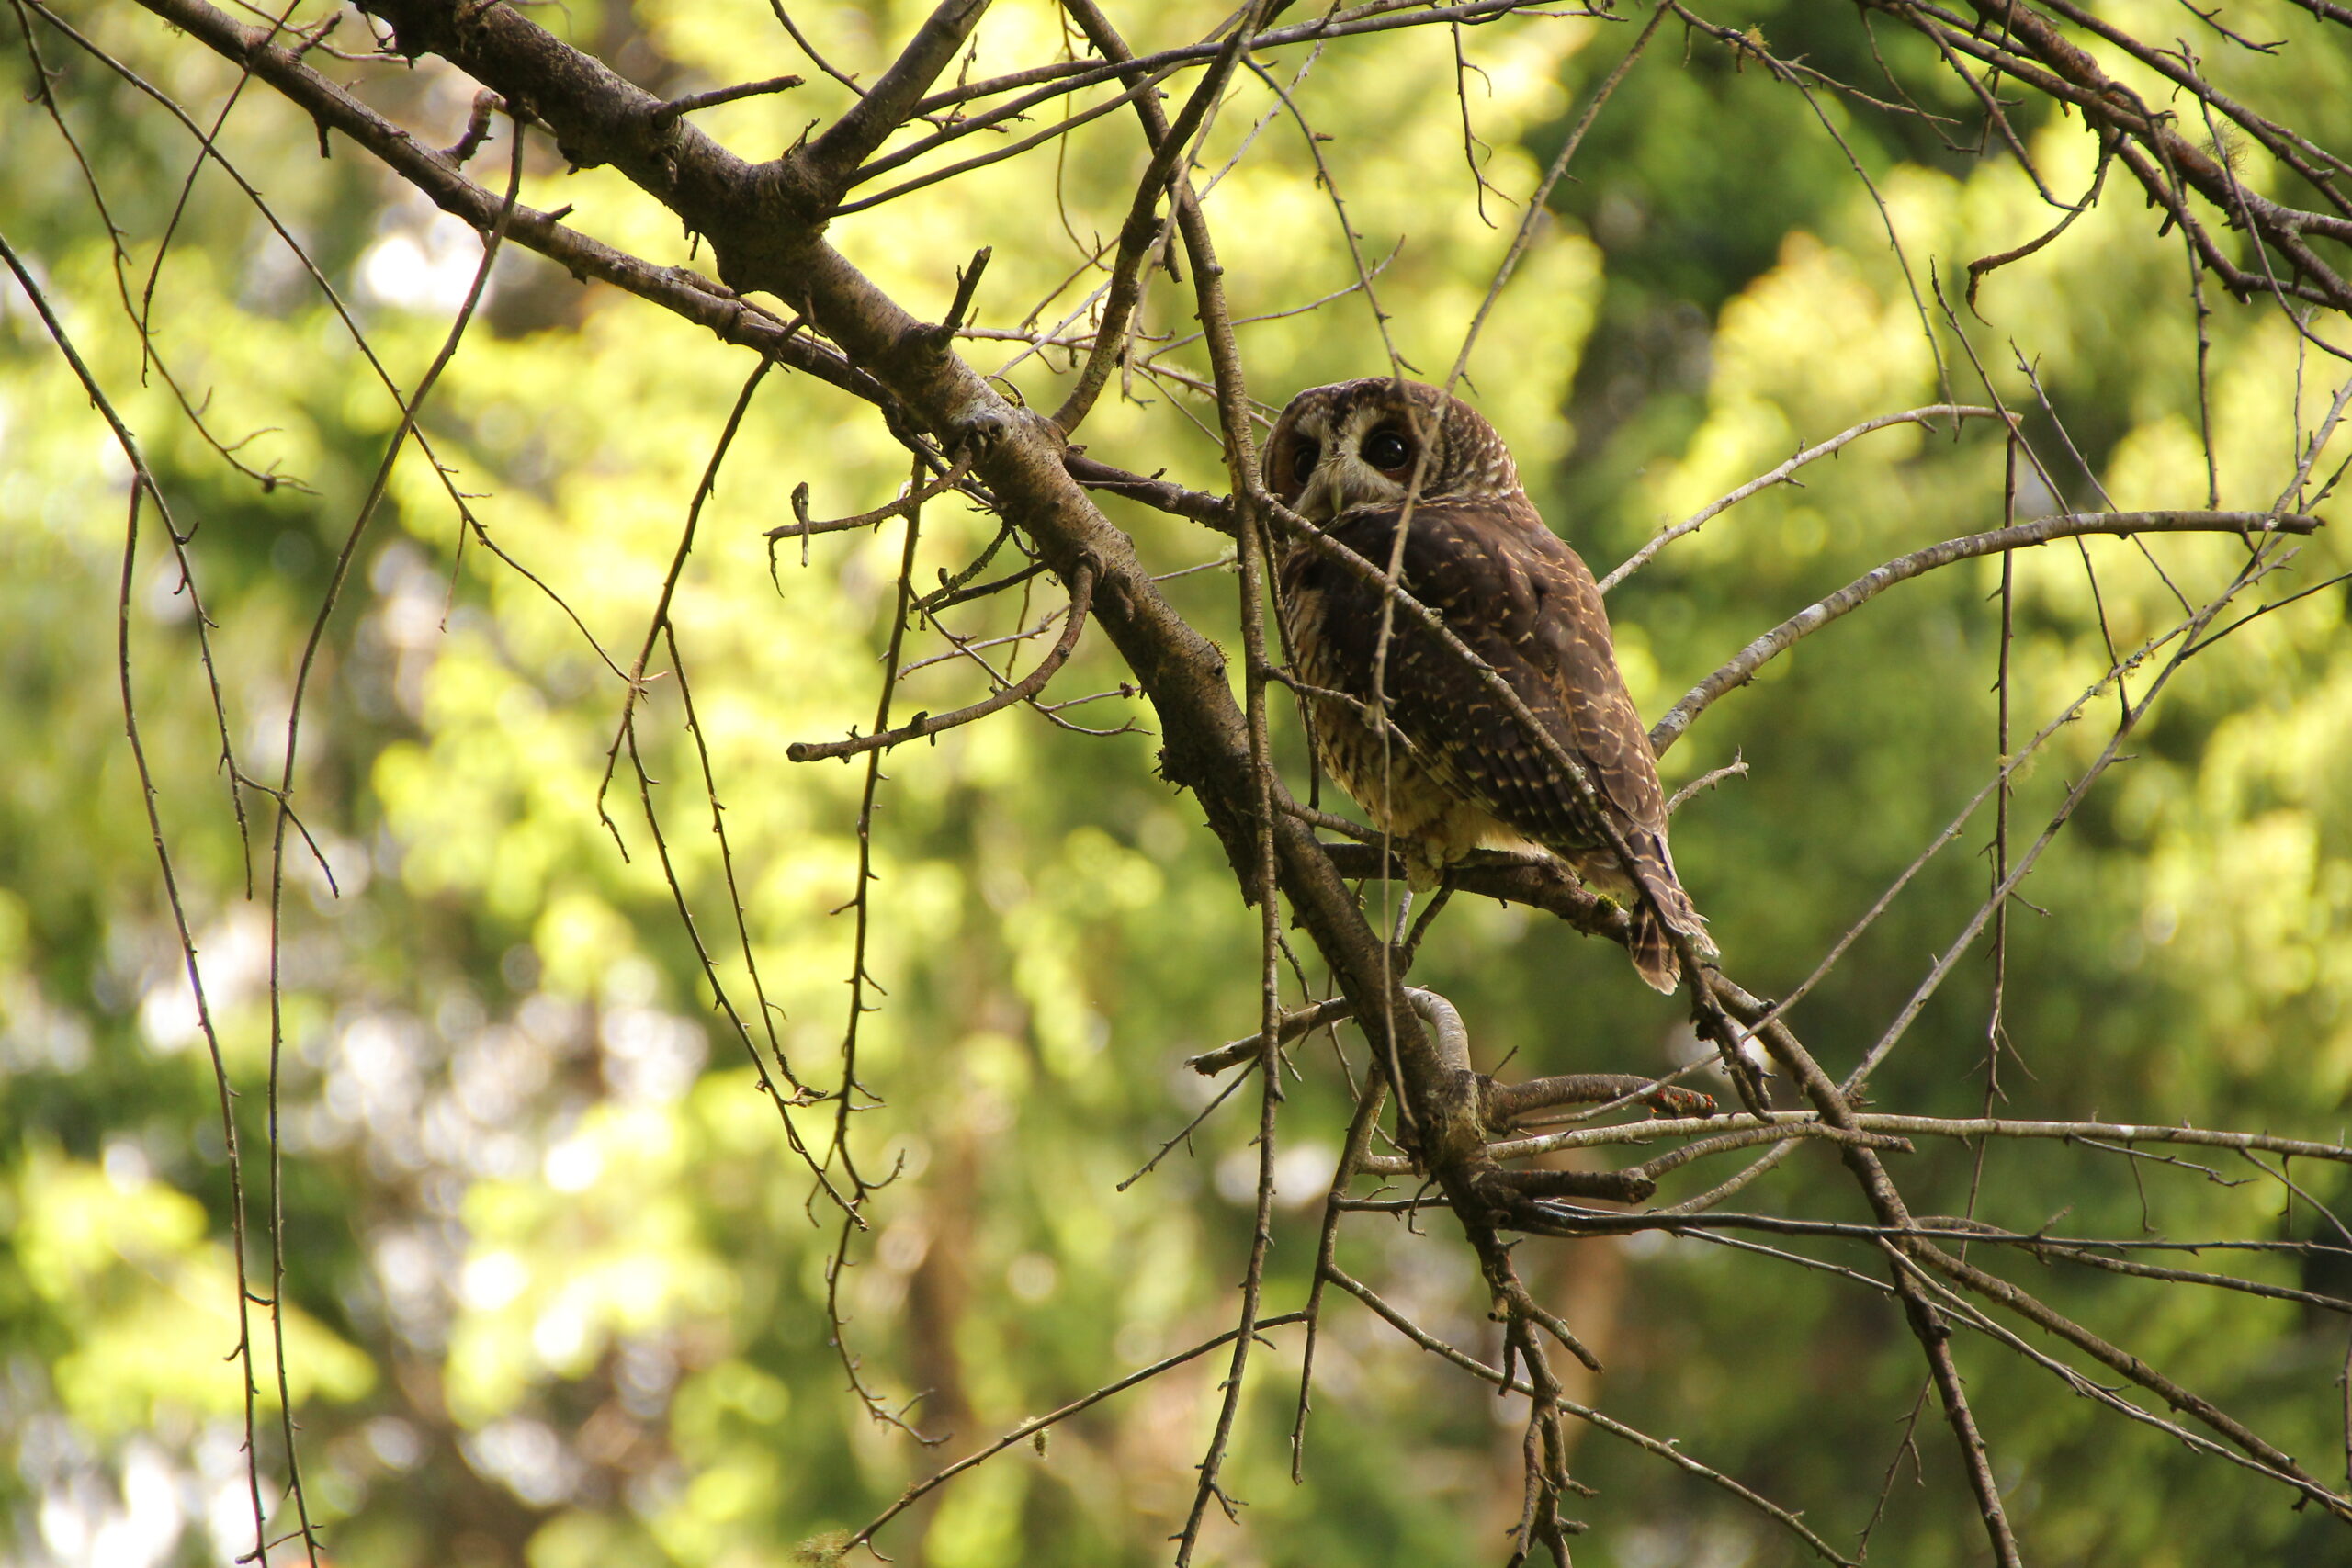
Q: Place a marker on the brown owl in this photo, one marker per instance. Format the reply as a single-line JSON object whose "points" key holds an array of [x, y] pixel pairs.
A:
{"points": [[1476, 552]]}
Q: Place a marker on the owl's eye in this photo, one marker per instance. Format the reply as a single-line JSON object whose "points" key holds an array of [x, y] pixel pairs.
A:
{"points": [[1303, 458], [1386, 450]]}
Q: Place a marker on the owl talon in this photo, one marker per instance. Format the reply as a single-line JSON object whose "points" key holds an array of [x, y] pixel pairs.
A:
{"points": [[986, 427]]}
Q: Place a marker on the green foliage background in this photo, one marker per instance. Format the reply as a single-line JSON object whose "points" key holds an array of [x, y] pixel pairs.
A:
{"points": [[556, 1283]]}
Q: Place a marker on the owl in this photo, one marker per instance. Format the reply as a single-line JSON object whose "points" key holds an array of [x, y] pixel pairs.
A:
{"points": [[1467, 774]]}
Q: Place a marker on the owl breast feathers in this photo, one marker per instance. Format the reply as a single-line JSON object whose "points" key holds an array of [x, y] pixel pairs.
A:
{"points": [[1468, 773]]}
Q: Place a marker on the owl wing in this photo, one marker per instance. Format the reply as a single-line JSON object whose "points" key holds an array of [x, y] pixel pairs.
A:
{"points": [[1523, 601]]}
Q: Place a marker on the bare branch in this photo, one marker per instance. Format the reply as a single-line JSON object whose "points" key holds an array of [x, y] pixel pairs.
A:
{"points": [[1743, 666], [1670, 1452], [893, 99], [1784, 475], [1081, 594]]}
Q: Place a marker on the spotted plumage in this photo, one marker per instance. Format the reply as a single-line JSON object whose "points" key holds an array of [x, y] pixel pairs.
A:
{"points": [[1460, 771]]}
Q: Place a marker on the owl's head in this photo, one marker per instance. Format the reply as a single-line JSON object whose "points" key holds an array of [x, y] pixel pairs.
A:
{"points": [[1356, 443]]}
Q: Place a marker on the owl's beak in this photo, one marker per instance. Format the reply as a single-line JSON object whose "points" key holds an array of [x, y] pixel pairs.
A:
{"points": [[1316, 501]]}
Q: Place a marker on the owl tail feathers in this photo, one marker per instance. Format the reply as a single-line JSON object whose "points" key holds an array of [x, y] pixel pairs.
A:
{"points": [[1655, 958]]}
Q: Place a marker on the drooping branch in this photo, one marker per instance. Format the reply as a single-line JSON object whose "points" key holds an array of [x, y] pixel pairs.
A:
{"points": [[1671, 1453], [1993, 1288]]}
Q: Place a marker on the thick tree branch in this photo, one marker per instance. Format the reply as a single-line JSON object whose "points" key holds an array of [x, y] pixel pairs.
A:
{"points": [[709, 305], [763, 222], [891, 101]]}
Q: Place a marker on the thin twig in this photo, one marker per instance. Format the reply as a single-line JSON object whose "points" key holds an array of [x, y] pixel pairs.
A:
{"points": [[1742, 667], [1669, 1451], [1030, 1429], [1784, 475], [1081, 594]]}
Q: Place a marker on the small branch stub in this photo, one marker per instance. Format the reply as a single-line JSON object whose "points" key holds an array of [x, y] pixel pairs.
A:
{"points": [[669, 113]]}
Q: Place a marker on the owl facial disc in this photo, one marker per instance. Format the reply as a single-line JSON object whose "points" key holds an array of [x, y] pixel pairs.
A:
{"points": [[1362, 444]]}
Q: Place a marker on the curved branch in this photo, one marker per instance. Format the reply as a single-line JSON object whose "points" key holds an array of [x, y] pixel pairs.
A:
{"points": [[1829, 448], [1742, 667]]}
